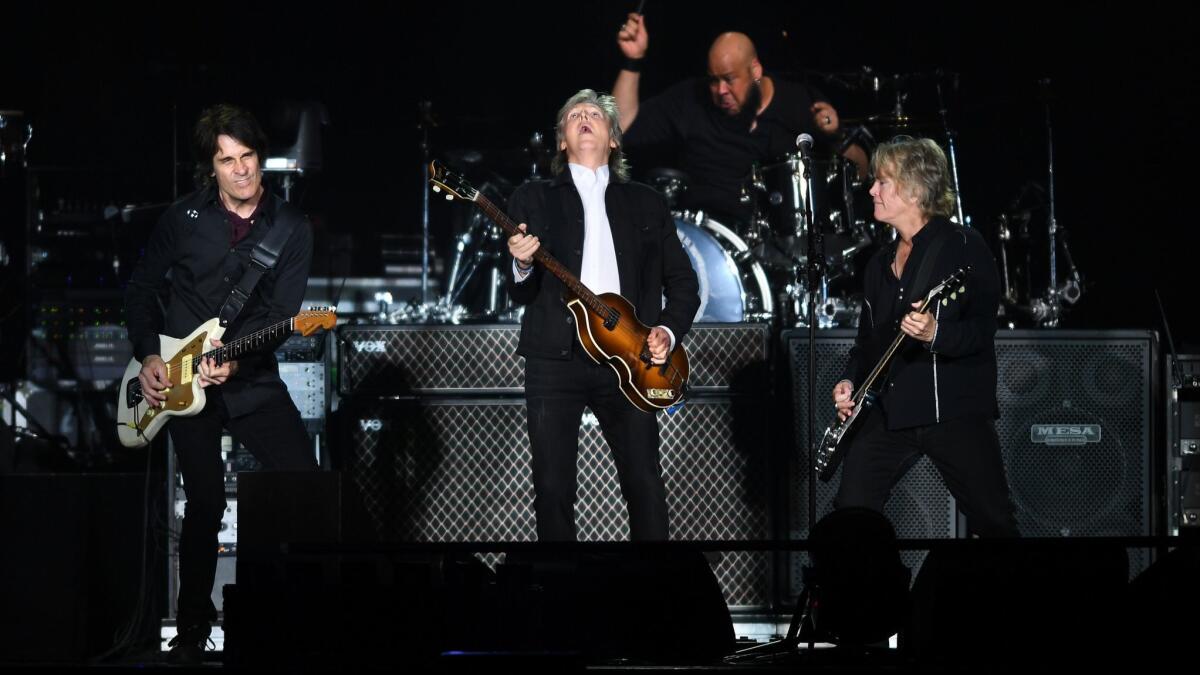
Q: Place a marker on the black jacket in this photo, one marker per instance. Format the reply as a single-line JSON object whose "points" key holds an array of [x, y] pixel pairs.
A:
{"points": [[650, 260], [953, 376], [189, 255]]}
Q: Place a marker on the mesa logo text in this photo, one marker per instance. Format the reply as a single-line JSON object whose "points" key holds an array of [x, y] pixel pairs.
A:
{"points": [[1064, 434]]}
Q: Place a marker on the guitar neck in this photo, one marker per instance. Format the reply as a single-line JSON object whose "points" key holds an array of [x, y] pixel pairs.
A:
{"points": [[548, 261], [248, 344]]}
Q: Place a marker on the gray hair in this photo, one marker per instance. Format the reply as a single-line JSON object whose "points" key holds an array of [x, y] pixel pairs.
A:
{"points": [[608, 106], [919, 167]]}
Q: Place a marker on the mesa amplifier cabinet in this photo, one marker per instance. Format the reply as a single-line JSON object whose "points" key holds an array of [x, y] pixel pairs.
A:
{"points": [[1077, 430]]}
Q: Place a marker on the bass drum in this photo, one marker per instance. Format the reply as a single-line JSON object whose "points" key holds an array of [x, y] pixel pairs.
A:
{"points": [[733, 286]]}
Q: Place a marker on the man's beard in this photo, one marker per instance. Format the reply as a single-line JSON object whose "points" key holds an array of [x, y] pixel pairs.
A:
{"points": [[745, 117]]}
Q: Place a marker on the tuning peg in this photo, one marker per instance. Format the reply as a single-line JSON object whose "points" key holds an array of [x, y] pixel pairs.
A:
{"points": [[437, 189], [449, 198], [954, 295], [945, 302], [962, 289]]}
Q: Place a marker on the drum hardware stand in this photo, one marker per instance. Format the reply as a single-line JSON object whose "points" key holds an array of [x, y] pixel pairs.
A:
{"points": [[1048, 310], [1004, 234], [536, 145], [425, 123], [951, 147]]}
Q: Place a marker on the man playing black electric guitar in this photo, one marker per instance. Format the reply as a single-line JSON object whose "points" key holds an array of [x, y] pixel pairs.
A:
{"points": [[939, 396], [619, 237], [201, 248]]}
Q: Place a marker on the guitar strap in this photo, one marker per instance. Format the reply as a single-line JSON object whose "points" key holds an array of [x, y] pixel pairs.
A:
{"points": [[921, 280], [263, 257], [918, 288]]}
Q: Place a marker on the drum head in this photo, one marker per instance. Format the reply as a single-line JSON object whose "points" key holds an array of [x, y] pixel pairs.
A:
{"points": [[733, 287]]}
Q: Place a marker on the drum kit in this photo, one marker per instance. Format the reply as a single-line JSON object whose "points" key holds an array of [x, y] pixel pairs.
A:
{"points": [[748, 271], [752, 270]]}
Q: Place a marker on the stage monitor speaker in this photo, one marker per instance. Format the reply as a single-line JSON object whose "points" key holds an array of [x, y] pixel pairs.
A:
{"points": [[458, 470], [920, 507]]}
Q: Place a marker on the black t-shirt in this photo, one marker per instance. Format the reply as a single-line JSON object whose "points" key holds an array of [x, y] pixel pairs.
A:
{"points": [[716, 150]]}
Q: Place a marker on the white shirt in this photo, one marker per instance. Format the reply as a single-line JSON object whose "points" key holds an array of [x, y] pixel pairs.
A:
{"points": [[599, 269]]}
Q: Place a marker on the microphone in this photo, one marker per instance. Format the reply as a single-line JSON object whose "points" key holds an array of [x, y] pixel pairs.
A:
{"points": [[804, 143]]}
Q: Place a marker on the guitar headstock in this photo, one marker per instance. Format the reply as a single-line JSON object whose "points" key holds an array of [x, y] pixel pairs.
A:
{"points": [[454, 185], [948, 288], [310, 321]]}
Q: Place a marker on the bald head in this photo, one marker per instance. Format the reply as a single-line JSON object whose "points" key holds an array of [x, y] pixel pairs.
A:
{"points": [[732, 49], [733, 71]]}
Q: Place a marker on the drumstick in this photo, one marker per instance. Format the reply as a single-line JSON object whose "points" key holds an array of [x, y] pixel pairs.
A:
{"points": [[641, 5]]}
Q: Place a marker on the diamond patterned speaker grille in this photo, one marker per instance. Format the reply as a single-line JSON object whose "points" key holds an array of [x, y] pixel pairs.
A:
{"points": [[1076, 435], [459, 471], [429, 359], [426, 360], [720, 354], [920, 506]]}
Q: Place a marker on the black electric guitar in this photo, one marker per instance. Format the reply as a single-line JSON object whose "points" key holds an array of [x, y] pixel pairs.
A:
{"points": [[138, 422], [828, 454], [608, 327]]}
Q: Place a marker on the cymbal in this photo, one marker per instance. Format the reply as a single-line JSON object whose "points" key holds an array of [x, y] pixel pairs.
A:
{"points": [[893, 121]]}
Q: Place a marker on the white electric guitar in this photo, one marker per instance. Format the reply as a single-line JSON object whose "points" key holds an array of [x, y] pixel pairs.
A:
{"points": [[138, 422]]}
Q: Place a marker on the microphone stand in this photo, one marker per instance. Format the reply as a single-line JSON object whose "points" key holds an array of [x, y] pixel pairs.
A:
{"points": [[816, 273], [806, 602]]}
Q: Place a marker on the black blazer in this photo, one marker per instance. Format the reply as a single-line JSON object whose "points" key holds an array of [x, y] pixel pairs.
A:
{"points": [[955, 375], [651, 263]]}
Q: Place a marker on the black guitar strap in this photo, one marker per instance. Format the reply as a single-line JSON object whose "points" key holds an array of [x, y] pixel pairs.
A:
{"points": [[263, 257], [918, 288]]}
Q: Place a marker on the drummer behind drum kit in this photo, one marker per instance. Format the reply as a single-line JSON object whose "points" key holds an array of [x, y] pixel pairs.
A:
{"points": [[756, 271]]}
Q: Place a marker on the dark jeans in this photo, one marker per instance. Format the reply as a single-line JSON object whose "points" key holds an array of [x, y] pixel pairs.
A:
{"points": [[966, 452], [556, 393], [274, 434]]}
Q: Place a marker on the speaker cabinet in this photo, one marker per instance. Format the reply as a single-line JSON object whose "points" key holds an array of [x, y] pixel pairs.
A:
{"points": [[458, 470], [1076, 427]]}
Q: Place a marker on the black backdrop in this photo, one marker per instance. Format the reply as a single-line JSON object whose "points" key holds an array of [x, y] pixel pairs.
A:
{"points": [[112, 87]]}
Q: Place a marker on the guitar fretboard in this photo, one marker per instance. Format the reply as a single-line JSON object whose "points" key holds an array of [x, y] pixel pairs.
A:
{"points": [[247, 343]]}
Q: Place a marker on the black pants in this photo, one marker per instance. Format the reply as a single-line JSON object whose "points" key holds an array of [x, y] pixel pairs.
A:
{"points": [[275, 436], [556, 393], [966, 452]]}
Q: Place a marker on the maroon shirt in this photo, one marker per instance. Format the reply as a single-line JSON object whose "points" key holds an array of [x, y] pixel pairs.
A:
{"points": [[239, 227]]}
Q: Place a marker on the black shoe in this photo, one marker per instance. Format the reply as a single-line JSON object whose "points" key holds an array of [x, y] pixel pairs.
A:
{"points": [[188, 645]]}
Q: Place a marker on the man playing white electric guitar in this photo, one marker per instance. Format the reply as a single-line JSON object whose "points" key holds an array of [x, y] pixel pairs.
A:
{"points": [[205, 246]]}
